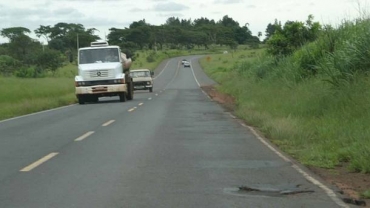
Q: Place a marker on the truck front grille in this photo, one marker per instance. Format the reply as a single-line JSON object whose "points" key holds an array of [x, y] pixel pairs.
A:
{"points": [[100, 82], [97, 74]]}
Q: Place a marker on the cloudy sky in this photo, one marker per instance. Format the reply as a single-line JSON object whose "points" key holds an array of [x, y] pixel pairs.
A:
{"points": [[105, 14]]}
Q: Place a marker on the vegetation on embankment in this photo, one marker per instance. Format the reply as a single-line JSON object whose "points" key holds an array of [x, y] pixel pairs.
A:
{"points": [[313, 103], [23, 96]]}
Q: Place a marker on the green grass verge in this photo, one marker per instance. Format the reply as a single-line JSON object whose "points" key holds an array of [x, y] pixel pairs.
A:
{"points": [[366, 194], [317, 124], [24, 96]]}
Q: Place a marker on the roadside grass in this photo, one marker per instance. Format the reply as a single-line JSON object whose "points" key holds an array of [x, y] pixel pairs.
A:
{"points": [[24, 96], [320, 120], [366, 194]]}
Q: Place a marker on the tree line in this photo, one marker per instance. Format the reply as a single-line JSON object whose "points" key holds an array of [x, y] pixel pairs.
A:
{"points": [[26, 57]]}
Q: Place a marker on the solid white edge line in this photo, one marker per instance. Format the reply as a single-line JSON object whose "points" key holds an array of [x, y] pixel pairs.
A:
{"points": [[308, 177], [191, 66], [84, 136], [31, 114], [164, 68], [39, 162], [231, 115]]}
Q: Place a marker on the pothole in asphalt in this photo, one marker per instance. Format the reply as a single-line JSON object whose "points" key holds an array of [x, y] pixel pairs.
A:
{"points": [[268, 190]]}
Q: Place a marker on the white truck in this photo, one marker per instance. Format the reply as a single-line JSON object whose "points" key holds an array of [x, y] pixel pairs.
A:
{"points": [[103, 71]]}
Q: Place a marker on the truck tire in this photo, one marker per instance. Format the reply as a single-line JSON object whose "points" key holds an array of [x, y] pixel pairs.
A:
{"points": [[95, 99], [130, 89], [81, 99], [122, 97]]}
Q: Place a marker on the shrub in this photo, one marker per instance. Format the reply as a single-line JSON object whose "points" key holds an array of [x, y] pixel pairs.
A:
{"points": [[151, 57], [8, 64]]}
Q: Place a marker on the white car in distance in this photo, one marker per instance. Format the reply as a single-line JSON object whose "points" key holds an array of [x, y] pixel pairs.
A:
{"points": [[186, 64]]}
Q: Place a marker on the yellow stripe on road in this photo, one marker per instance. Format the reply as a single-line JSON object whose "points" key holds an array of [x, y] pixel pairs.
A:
{"points": [[39, 162], [108, 123], [84, 136]]}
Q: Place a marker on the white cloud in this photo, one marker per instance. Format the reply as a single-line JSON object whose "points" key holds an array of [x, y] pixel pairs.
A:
{"points": [[170, 7], [228, 1], [105, 14]]}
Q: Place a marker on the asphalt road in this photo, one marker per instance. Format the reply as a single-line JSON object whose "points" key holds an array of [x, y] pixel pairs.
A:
{"points": [[173, 147]]}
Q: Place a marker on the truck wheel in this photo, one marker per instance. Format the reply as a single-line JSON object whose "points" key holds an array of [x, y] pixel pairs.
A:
{"points": [[122, 97], [96, 99], [151, 89], [81, 99], [130, 89]]}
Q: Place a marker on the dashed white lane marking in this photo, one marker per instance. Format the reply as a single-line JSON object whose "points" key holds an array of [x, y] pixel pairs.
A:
{"points": [[149, 98], [132, 109], [39, 162], [327, 190], [156, 94], [45, 111], [108, 123], [173, 78], [84, 136], [140, 104]]}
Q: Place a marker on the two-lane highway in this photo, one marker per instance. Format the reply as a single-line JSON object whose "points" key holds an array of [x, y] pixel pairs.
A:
{"points": [[173, 147]]}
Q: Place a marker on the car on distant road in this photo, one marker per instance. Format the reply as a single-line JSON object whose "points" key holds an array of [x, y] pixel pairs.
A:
{"points": [[183, 61], [186, 64], [142, 79]]}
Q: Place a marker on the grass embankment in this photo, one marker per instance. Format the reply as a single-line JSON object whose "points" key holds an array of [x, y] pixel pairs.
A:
{"points": [[322, 119], [24, 96]]}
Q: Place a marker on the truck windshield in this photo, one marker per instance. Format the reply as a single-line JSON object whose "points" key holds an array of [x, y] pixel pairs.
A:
{"points": [[99, 55]]}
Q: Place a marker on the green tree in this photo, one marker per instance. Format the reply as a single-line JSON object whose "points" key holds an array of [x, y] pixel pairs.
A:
{"points": [[292, 36], [271, 28], [140, 23], [173, 21], [44, 31], [242, 34], [14, 32], [140, 36], [50, 60], [68, 33], [228, 22]]}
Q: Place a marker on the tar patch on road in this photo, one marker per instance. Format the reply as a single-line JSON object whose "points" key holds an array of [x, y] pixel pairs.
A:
{"points": [[268, 190]]}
